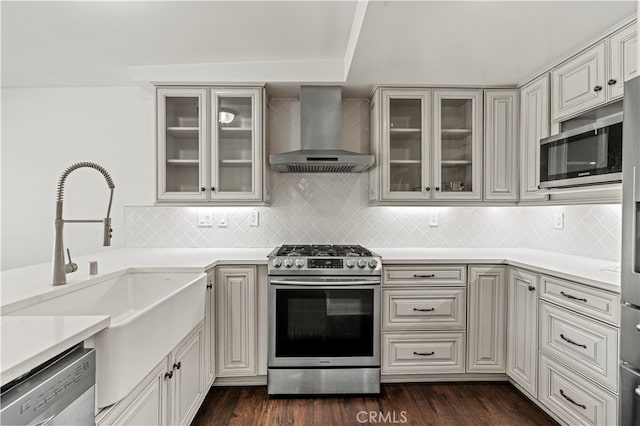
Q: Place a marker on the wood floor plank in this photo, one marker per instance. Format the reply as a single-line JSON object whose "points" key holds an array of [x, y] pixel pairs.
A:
{"points": [[416, 404]]}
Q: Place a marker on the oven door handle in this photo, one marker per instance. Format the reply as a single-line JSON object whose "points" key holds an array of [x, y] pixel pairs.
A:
{"points": [[340, 283]]}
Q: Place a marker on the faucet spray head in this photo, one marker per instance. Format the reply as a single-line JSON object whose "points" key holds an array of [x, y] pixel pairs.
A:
{"points": [[106, 240]]}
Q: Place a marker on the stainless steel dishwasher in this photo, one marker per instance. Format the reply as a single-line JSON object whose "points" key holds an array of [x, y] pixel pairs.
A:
{"points": [[59, 392]]}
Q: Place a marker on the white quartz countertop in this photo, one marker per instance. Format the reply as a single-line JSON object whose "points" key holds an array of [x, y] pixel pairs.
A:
{"points": [[29, 341], [595, 272]]}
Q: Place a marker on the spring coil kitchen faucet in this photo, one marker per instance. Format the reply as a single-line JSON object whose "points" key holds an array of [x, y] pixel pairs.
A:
{"points": [[60, 269]]}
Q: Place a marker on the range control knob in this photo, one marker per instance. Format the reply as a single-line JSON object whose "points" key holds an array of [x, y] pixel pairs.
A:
{"points": [[362, 263], [277, 262], [299, 263], [373, 263], [351, 263], [288, 263]]}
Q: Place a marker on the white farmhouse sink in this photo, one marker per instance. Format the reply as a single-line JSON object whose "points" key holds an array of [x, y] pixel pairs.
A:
{"points": [[150, 313]]}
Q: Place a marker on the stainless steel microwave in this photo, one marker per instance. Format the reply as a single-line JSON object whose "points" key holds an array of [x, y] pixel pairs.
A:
{"points": [[587, 155]]}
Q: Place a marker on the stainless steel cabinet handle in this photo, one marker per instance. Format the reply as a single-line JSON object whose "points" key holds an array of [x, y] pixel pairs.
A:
{"points": [[424, 275], [531, 288], [424, 353], [424, 310], [568, 296], [572, 401], [566, 339]]}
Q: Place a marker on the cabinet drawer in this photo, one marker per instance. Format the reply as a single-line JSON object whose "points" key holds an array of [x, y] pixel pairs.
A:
{"points": [[586, 300], [574, 399], [585, 345], [423, 309], [422, 353], [447, 275]]}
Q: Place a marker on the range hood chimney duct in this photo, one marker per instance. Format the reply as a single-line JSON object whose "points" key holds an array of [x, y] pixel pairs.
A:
{"points": [[320, 131]]}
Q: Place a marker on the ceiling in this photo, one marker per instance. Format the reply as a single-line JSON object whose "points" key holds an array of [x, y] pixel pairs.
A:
{"points": [[285, 43]]}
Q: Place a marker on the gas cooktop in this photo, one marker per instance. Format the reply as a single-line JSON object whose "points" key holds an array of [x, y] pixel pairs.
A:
{"points": [[323, 259], [323, 250]]}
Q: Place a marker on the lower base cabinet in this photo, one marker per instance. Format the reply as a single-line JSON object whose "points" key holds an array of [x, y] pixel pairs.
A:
{"points": [[423, 353], [171, 394], [572, 398]]}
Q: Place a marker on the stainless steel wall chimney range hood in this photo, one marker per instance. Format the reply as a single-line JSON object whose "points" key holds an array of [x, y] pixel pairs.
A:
{"points": [[320, 129]]}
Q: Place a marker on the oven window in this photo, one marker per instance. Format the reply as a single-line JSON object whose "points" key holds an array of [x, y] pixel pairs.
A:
{"points": [[586, 154], [324, 323]]}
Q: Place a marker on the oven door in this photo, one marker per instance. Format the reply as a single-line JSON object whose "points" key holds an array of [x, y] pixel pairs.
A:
{"points": [[584, 156], [324, 322]]}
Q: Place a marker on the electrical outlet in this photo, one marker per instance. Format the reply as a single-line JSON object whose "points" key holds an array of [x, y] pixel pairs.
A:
{"points": [[254, 219], [558, 220], [223, 219], [205, 219], [433, 219]]}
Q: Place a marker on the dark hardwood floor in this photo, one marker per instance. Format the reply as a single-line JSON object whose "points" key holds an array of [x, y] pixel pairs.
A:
{"points": [[456, 404]]}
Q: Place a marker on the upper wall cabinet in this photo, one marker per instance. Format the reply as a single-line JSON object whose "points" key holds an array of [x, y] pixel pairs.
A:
{"points": [[500, 144], [623, 60], [594, 76], [427, 144], [457, 144], [578, 84], [534, 125], [210, 145]]}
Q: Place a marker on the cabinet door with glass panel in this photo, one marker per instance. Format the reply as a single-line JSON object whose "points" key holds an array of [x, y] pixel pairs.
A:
{"points": [[457, 145], [405, 144], [236, 147], [181, 144]]}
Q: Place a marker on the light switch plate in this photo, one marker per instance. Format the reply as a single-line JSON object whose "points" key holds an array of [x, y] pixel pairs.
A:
{"points": [[433, 219], [254, 219], [558, 220], [205, 219], [223, 219]]}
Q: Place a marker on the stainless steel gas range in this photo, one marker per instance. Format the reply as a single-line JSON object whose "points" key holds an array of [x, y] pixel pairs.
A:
{"points": [[324, 320]]}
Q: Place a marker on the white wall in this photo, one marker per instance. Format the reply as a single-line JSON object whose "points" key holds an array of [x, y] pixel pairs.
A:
{"points": [[44, 130]]}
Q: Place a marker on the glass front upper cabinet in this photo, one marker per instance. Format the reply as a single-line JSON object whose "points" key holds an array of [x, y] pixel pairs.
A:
{"points": [[181, 144], [236, 144], [457, 144], [405, 148]]}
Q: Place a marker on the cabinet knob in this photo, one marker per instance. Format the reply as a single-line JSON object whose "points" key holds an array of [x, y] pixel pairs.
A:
{"points": [[597, 88], [428, 188], [177, 365], [437, 188], [213, 189], [612, 82], [203, 189], [531, 288]]}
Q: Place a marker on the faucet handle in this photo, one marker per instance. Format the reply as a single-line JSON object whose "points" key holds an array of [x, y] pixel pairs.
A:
{"points": [[70, 267]]}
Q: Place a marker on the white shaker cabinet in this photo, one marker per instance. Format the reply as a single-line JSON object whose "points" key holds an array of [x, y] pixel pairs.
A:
{"points": [[522, 329], [534, 125], [500, 144], [578, 84], [236, 306], [623, 60], [486, 325]]}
